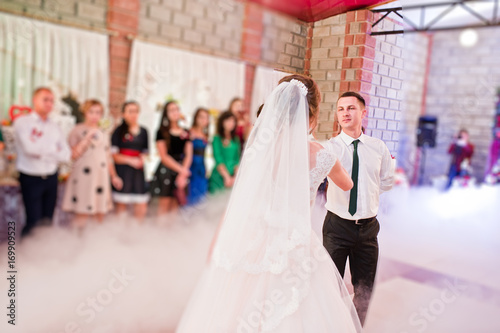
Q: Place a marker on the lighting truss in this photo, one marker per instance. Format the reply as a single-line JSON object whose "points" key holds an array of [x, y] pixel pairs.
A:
{"points": [[423, 26]]}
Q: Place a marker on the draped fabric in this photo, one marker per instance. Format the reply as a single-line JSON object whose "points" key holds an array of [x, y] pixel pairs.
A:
{"points": [[159, 73], [35, 53], [268, 271], [266, 79]]}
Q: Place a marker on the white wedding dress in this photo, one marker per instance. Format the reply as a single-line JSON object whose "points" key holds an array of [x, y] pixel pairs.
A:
{"points": [[269, 272]]}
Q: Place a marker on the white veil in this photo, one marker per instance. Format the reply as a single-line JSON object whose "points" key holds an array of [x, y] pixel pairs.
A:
{"points": [[267, 223], [266, 257], [267, 219]]}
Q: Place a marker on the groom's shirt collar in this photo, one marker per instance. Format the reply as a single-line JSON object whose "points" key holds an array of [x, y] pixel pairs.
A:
{"points": [[348, 140]]}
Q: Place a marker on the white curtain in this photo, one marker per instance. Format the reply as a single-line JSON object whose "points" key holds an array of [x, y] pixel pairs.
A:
{"points": [[159, 73], [266, 79], [35, 53]]}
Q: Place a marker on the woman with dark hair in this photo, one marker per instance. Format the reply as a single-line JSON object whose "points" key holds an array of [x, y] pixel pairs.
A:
{"points": [[176, 152], [129, 146], [227, 149], [198, 184], [243, 125]]}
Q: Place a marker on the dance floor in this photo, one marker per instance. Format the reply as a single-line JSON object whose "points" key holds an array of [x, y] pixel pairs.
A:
{"points": [[438, 269]]}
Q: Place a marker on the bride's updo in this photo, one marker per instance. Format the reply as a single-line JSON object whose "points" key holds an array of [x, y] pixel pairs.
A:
{"points": [[313, 94]]}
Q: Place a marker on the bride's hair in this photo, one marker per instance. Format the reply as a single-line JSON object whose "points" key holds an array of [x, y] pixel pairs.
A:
{"points": [[313, 93]]}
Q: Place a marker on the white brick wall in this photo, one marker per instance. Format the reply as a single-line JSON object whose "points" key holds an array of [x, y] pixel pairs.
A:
{"points": [[462, 93], [213, 27], [89, 13], [415, 59], [284, 42], [326, 65], [384, 108]]}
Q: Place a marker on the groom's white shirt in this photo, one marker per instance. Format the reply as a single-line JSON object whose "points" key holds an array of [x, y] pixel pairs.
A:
{"points": [[376, 175]]}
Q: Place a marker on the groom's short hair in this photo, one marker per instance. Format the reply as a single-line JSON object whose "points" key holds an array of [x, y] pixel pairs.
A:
{"points": [[354, 94]]}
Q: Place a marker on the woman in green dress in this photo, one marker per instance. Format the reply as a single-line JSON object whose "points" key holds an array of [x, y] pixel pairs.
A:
{"points": [[226, 149]]}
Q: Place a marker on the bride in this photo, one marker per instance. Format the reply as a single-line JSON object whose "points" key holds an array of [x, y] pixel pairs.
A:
{"points": [[268, 271]]}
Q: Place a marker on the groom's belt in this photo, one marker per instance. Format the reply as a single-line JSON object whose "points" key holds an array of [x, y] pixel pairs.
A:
{"points": [[358, 221]]}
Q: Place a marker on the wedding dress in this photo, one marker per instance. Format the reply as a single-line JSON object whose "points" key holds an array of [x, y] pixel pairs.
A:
{"points": [[269, 272]]}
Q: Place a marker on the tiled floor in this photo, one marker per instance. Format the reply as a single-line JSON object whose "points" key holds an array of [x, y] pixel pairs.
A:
{"points": [[439, 269]]}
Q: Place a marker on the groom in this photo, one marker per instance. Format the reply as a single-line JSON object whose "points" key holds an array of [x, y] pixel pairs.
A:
{"points": [[351, 227]]}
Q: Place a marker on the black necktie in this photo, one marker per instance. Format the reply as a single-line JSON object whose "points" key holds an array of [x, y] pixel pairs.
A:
{"points": [[353, 197]]}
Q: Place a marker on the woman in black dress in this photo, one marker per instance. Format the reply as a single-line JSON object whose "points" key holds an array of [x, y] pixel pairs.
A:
{"points": [[176, 153], [129, 148]]}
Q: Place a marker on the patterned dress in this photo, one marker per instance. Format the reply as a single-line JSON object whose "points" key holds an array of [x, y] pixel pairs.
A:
{"points": [[88, 188], [163, 183]]}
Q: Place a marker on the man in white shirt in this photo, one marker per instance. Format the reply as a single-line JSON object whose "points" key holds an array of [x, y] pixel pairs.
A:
{"points": [[351, 227], [41, 146]]}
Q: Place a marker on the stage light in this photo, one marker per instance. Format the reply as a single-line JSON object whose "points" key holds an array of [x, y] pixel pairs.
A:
{"points": [[468, 38]]}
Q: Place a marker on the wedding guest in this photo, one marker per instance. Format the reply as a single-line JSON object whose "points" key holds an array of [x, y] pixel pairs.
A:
{"points": [[226, 149], [41, 146], [243, 125], [494, 155], [198, 184], [129, 147], [88, 188], [2, 145], [460, 150], [176, 152]]}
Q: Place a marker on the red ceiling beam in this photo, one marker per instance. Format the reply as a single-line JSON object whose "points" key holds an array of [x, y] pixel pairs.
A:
{"points": [[315, 10]]}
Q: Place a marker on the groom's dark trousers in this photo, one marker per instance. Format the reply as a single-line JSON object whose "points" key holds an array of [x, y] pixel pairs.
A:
{"points": [[356, 240]]}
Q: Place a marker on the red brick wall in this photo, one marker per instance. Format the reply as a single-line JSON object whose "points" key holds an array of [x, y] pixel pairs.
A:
{"points": [[251, 46], [123, 19], [345, 57], [309, 40], [359, 52]]}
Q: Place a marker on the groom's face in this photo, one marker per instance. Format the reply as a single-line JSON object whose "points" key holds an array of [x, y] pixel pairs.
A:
{"points": [[350, 113]]}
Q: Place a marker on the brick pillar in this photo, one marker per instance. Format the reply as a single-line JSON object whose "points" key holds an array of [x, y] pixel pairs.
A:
{"points": [[309, 41], [123, 19], [359, 52], [251, 46]]}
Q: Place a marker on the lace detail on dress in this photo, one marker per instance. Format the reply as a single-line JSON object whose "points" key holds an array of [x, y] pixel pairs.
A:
{"points": [[277, 255], [325, 160], [276, 258]]}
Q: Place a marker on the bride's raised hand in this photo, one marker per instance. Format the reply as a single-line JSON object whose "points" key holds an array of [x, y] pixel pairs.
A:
{"points": [[340, 177]]}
